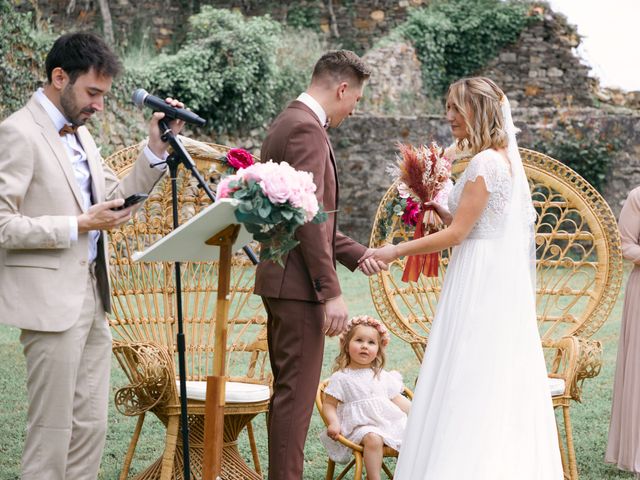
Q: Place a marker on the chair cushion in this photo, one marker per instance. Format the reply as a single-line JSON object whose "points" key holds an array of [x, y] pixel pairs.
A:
{"points": [[557, 386], [235, 392]]}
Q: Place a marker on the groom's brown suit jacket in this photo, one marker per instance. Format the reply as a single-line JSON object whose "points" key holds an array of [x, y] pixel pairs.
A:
{"points": [[309, 272]]}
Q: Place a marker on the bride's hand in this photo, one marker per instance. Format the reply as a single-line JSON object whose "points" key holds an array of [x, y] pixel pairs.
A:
{"points": [[370, 266], [442, 212], [385, 254]]}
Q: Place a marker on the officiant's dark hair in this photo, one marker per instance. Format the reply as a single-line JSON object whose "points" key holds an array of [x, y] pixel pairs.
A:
{"points": [[77, 53], [341, 65]]}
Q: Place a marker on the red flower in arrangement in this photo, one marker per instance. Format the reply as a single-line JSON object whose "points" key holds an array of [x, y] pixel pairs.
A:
{"points": [[411, 213], [422, 173], [239, 158]]}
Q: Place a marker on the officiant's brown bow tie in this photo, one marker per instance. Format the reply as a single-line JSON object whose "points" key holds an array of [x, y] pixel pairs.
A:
{"points": [[68, 129]]}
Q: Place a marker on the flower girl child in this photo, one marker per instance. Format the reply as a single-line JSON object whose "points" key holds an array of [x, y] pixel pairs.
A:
{"points": [[363, 402]]}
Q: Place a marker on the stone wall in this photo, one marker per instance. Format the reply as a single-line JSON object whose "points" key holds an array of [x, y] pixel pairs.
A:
{"points": [[365, 145], [541, 70], [395, 86], [353, 24]]}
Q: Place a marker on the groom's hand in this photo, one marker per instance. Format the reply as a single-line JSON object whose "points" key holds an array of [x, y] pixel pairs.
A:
{"points": [[335, 316], [370, 266], [385, 255]]}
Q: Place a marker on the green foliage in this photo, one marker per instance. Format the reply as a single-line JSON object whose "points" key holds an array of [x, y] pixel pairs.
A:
{"points": [[22, 52], [455, 38], [304, 17], [225, 70], [236, 72], [585, 148], [297, 52], [394, 207]]}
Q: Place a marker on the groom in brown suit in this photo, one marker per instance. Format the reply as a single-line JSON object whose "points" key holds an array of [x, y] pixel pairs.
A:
{"points": [[303, 300]]}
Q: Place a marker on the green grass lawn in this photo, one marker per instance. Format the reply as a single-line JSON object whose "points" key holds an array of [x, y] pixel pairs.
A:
{"points": [[591, 418]]}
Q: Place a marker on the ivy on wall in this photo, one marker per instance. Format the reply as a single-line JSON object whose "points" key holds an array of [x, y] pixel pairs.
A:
{"points": [[583, 147], [22, 52], [237, 72], [455, 38]]}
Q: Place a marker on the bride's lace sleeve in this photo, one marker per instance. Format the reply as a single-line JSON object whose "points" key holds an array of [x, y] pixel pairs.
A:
{"points": [[485, 164]]}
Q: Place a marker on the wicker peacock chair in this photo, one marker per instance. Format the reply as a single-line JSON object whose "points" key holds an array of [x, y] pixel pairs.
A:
{"points": [[144, 328], [579, 273]]}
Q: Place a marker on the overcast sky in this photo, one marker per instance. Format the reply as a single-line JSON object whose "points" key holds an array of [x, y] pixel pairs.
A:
{"points": [[611, 38]]}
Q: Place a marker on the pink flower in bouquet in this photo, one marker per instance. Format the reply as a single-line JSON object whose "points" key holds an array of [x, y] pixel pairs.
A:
{"points": [[278, 185], [302, 190], [310, 206], [239, 158], [411, 212], [223, 190], [442, 196]]}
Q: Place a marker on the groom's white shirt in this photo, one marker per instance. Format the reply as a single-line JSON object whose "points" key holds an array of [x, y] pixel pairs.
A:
{"points": [[315, 107]]}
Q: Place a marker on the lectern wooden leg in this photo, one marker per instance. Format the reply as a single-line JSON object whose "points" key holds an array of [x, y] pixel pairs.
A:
{"points": [[214, 402]]}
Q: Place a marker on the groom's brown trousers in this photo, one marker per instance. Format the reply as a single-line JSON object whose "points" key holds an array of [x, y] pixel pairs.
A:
{"points": [[296, 344]]}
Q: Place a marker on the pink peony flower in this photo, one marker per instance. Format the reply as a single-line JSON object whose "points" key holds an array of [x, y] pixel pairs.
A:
{"points": [[277, 187], [239, 158]]}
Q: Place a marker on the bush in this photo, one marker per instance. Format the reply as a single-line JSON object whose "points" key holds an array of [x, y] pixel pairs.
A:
{"points": [[584, 148], [235, 72], [22, 52], [455, 38]]}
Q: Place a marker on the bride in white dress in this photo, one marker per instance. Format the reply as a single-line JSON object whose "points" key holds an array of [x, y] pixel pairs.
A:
{"points": [[482, 408]]}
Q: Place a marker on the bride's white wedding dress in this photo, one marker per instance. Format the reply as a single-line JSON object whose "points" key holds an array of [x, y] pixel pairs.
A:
{"points": [[482, 408]]}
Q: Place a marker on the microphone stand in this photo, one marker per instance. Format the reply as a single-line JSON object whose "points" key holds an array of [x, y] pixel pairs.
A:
{"points": [[178, 156]]}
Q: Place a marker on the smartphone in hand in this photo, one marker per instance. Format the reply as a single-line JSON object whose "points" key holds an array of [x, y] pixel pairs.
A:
{"points": [[132, 200]]}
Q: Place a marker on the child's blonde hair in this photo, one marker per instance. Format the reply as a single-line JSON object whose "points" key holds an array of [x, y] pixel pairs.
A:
{"points": [[478, 99], [342, 360]]}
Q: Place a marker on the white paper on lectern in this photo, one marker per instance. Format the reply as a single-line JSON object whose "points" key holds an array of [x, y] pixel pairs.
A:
{"points": [[187, 242]]}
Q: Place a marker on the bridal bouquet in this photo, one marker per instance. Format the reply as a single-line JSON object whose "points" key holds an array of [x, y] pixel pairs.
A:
{"points": [[274, 200], [423, 175]]}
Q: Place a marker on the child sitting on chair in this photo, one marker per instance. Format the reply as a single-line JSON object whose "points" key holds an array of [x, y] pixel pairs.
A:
{"points": [[363, 402]]}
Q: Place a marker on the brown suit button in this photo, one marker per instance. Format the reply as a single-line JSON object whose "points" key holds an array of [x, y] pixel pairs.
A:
{"points": [[317, 286]]}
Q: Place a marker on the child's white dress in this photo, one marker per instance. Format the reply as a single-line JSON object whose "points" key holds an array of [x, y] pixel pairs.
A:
{"points": [[365, 407]]}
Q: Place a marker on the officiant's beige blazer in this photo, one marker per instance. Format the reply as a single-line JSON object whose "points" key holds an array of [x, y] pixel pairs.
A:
{"points": [[43, 276]]}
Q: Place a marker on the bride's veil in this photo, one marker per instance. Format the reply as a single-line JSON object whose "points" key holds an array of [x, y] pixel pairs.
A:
{"points": [[520, 221]]}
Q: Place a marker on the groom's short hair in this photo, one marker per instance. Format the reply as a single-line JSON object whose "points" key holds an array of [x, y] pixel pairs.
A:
{"points": [[340, 66]]}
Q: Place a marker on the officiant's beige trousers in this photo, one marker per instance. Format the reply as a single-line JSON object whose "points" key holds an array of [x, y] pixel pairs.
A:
{"points": [[68, 388]]}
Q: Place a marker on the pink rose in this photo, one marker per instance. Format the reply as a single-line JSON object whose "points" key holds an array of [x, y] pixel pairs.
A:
{"points": [[239, 158]]}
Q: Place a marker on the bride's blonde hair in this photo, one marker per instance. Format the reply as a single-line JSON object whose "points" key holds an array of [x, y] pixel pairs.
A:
{"points": [[478, 99]]}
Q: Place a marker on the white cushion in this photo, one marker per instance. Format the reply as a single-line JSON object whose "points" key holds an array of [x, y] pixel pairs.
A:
{"points": [[557, 387], [234, 392]]}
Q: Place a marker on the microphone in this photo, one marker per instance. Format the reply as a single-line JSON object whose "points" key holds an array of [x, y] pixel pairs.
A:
{"points": [[141, 98]]}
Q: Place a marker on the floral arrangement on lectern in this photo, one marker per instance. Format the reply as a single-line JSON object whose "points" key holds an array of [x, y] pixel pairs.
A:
{"points": [[274, 200]]}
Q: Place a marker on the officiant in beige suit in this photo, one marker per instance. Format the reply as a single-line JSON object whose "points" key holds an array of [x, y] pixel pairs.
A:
{"points": [[56, 200]]}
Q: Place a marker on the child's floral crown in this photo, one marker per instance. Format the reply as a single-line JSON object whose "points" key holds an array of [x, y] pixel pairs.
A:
{"points": [[368, 321]]}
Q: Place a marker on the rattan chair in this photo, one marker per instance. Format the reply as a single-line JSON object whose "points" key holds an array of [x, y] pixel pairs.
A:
{"points": [[358, 460], [579, 274], [144, 328]]}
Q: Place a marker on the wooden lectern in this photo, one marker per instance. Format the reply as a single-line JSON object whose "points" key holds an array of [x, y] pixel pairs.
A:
{"points": [[213, 234]]}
